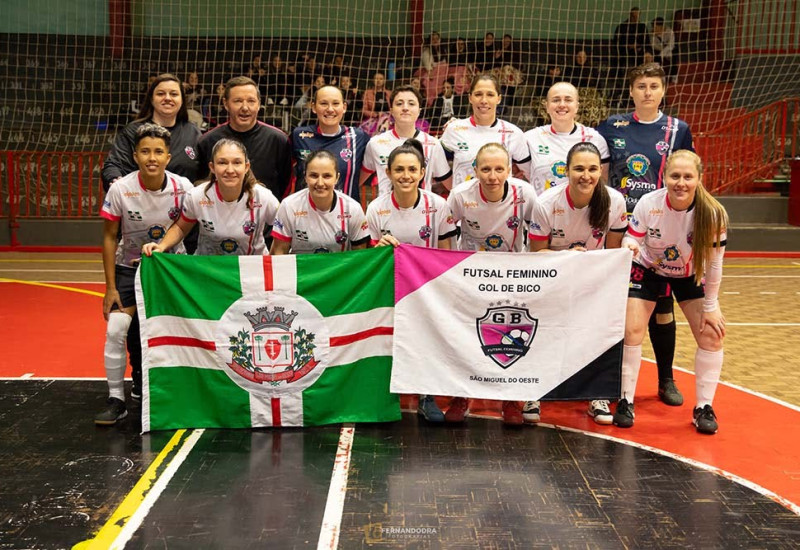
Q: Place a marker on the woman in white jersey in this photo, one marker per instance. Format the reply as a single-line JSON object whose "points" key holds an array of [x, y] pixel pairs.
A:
{"points": [[405, 104], [142, 204], [549, 144], [319, 218], [493, 210], [233, 209], [408, 214], [463, 138], [585, 214], [678, 238]]}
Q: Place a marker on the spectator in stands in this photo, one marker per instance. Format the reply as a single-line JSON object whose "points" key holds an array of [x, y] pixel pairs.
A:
{"points": [[416, 83], [196, 99], [352, 97], [267, 147], [216, 111], [258, 73], [336, 69], [509, 78], [484, 55], [662, 41], [507, 54], [375, 109], [434, 52], [164, 105], [303, 105], [279, 82], [460, 56], [630, 39], [346, 143], [308, 71], [447, 106], [581, 74]]}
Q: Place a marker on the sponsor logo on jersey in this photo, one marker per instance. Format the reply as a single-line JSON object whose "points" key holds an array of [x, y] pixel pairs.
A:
{"points": [[278, 224], [638, 164], [345, 216], [634, 221], [207, 225], [558, 211], [383, 159], [130, 194], [384, 212], [536, 226], [662, 147], [304, 153], [206, 203], [301, 235], [190, 152], [558, 233], [346, 154], [341, 237], [654, 232], [302, 135], [656, 212], [544, 150], [671, 253], [473, 225], [300, 213], [425, 232], [470, 204], [577, 244], [173, 213], [156, 232], [462, 146], [431, 210], [493, 241], [249, 227], [513, 222], [597, 233], [106, 204], [134, 215], [506, 333], [364, 225], [228, 246], [621, 123], [321, 250], [559, 169], [450, 219], [618, 143]]}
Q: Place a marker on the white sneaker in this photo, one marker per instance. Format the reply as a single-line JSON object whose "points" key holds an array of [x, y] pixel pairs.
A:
{"points": [[531, 413], [600, 411]]}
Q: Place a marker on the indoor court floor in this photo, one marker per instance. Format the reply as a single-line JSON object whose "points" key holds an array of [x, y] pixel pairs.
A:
{"points": [[567, 483]]}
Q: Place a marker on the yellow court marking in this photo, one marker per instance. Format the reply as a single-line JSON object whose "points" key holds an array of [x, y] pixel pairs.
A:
{"points": [[737, 266], [57, 287], [20, 261], [108, 534]]}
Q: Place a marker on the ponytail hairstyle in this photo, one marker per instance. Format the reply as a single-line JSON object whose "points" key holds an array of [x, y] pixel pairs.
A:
{"points": [[600, 203], [249, 182], [411, 147], [710, 217]]}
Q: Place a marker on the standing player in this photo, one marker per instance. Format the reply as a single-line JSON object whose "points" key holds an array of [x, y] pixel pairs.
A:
{"points": [[142, 204], [319, 218], [266, 146], [582, 215], [233, 210], [463, 138], [405, 104], [492, 209], [548, 145], [639, 143], [408, 214], [347, 144], [678, 237]]}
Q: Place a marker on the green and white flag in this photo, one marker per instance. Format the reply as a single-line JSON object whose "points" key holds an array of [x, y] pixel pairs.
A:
{"points": [[257, 341]]}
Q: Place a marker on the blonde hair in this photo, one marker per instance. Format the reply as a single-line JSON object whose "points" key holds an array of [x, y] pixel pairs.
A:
{"points": [[249, 182], [710, 217], [492, 146]]}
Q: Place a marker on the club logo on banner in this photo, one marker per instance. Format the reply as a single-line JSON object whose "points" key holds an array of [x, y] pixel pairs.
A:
{"points": [[506, 333], [273, 348]]}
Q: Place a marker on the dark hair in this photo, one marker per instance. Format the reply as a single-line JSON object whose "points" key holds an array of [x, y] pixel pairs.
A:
{"points": [[658, 20], [647, 70], [484, 76], [249, 181], [147, 110], [322, 154], [490, 33], [237, 81], [410, 147], [405, 88], [151, 130], [600, 203], [337, 88]]}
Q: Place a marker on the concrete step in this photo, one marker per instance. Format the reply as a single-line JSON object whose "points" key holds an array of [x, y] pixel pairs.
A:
{"points": [[755, 209], [764, 237]]}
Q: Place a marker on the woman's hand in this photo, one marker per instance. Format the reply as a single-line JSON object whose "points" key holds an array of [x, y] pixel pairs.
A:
{"points": [[149, 248], [388, 240], [111, 297], [714, 320]]}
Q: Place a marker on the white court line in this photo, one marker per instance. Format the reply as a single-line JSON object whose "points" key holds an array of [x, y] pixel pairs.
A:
{"points": [[51, 271], [731, 292], [765, 292], [158, 487], [27, 376], [761, 276], [332, 519], [685, 324]]}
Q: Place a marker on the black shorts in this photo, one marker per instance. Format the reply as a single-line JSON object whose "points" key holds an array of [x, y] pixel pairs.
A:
{"points": [[649, 285], [125, 278]]}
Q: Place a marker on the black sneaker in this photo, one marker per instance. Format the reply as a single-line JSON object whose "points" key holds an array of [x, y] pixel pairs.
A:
{"points": [[429, 409], [115, 410], [705, 420], [623, 417], [669, 394], [136, 393]]}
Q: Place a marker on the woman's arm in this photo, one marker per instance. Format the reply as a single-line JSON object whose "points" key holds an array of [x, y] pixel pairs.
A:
{"points": [[175, 234], [111, 297]]}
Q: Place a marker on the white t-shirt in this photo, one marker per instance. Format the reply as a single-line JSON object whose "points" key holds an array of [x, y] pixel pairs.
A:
{"points": [[497, 226], [464, 138], [556, 218], [230, 228], [315, 231], [144, 215], [548, 150], [424, 224], [380, 147], [664, 235]]}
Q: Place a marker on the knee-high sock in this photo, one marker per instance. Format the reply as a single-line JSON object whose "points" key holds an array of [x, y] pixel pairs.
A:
{"points": [[114, 356], [662, 337], [135, 351], [707, 368], [631, 361]]}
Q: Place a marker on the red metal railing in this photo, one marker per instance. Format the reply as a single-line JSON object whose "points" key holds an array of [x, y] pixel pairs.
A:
{"points": [[750, 147]]}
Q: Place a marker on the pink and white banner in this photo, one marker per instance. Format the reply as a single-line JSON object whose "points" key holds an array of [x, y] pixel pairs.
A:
{"points": [[509, 326]]}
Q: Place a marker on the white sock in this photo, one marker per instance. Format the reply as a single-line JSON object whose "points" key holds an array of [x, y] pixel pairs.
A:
{"points": [[631, 361], [114, 353], [707, 368]]}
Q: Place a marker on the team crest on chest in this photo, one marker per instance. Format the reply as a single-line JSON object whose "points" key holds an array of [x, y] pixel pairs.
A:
{"points": [[189, 150], [559, 169], [597, 233], [638, 164], [248, 227], [513, 222], [493, 241], [156, 232], [228, 246], [506, 333], [346, 154], [671, 253], [425, 232], [662, 147], [341, 237], [174, 213]]}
